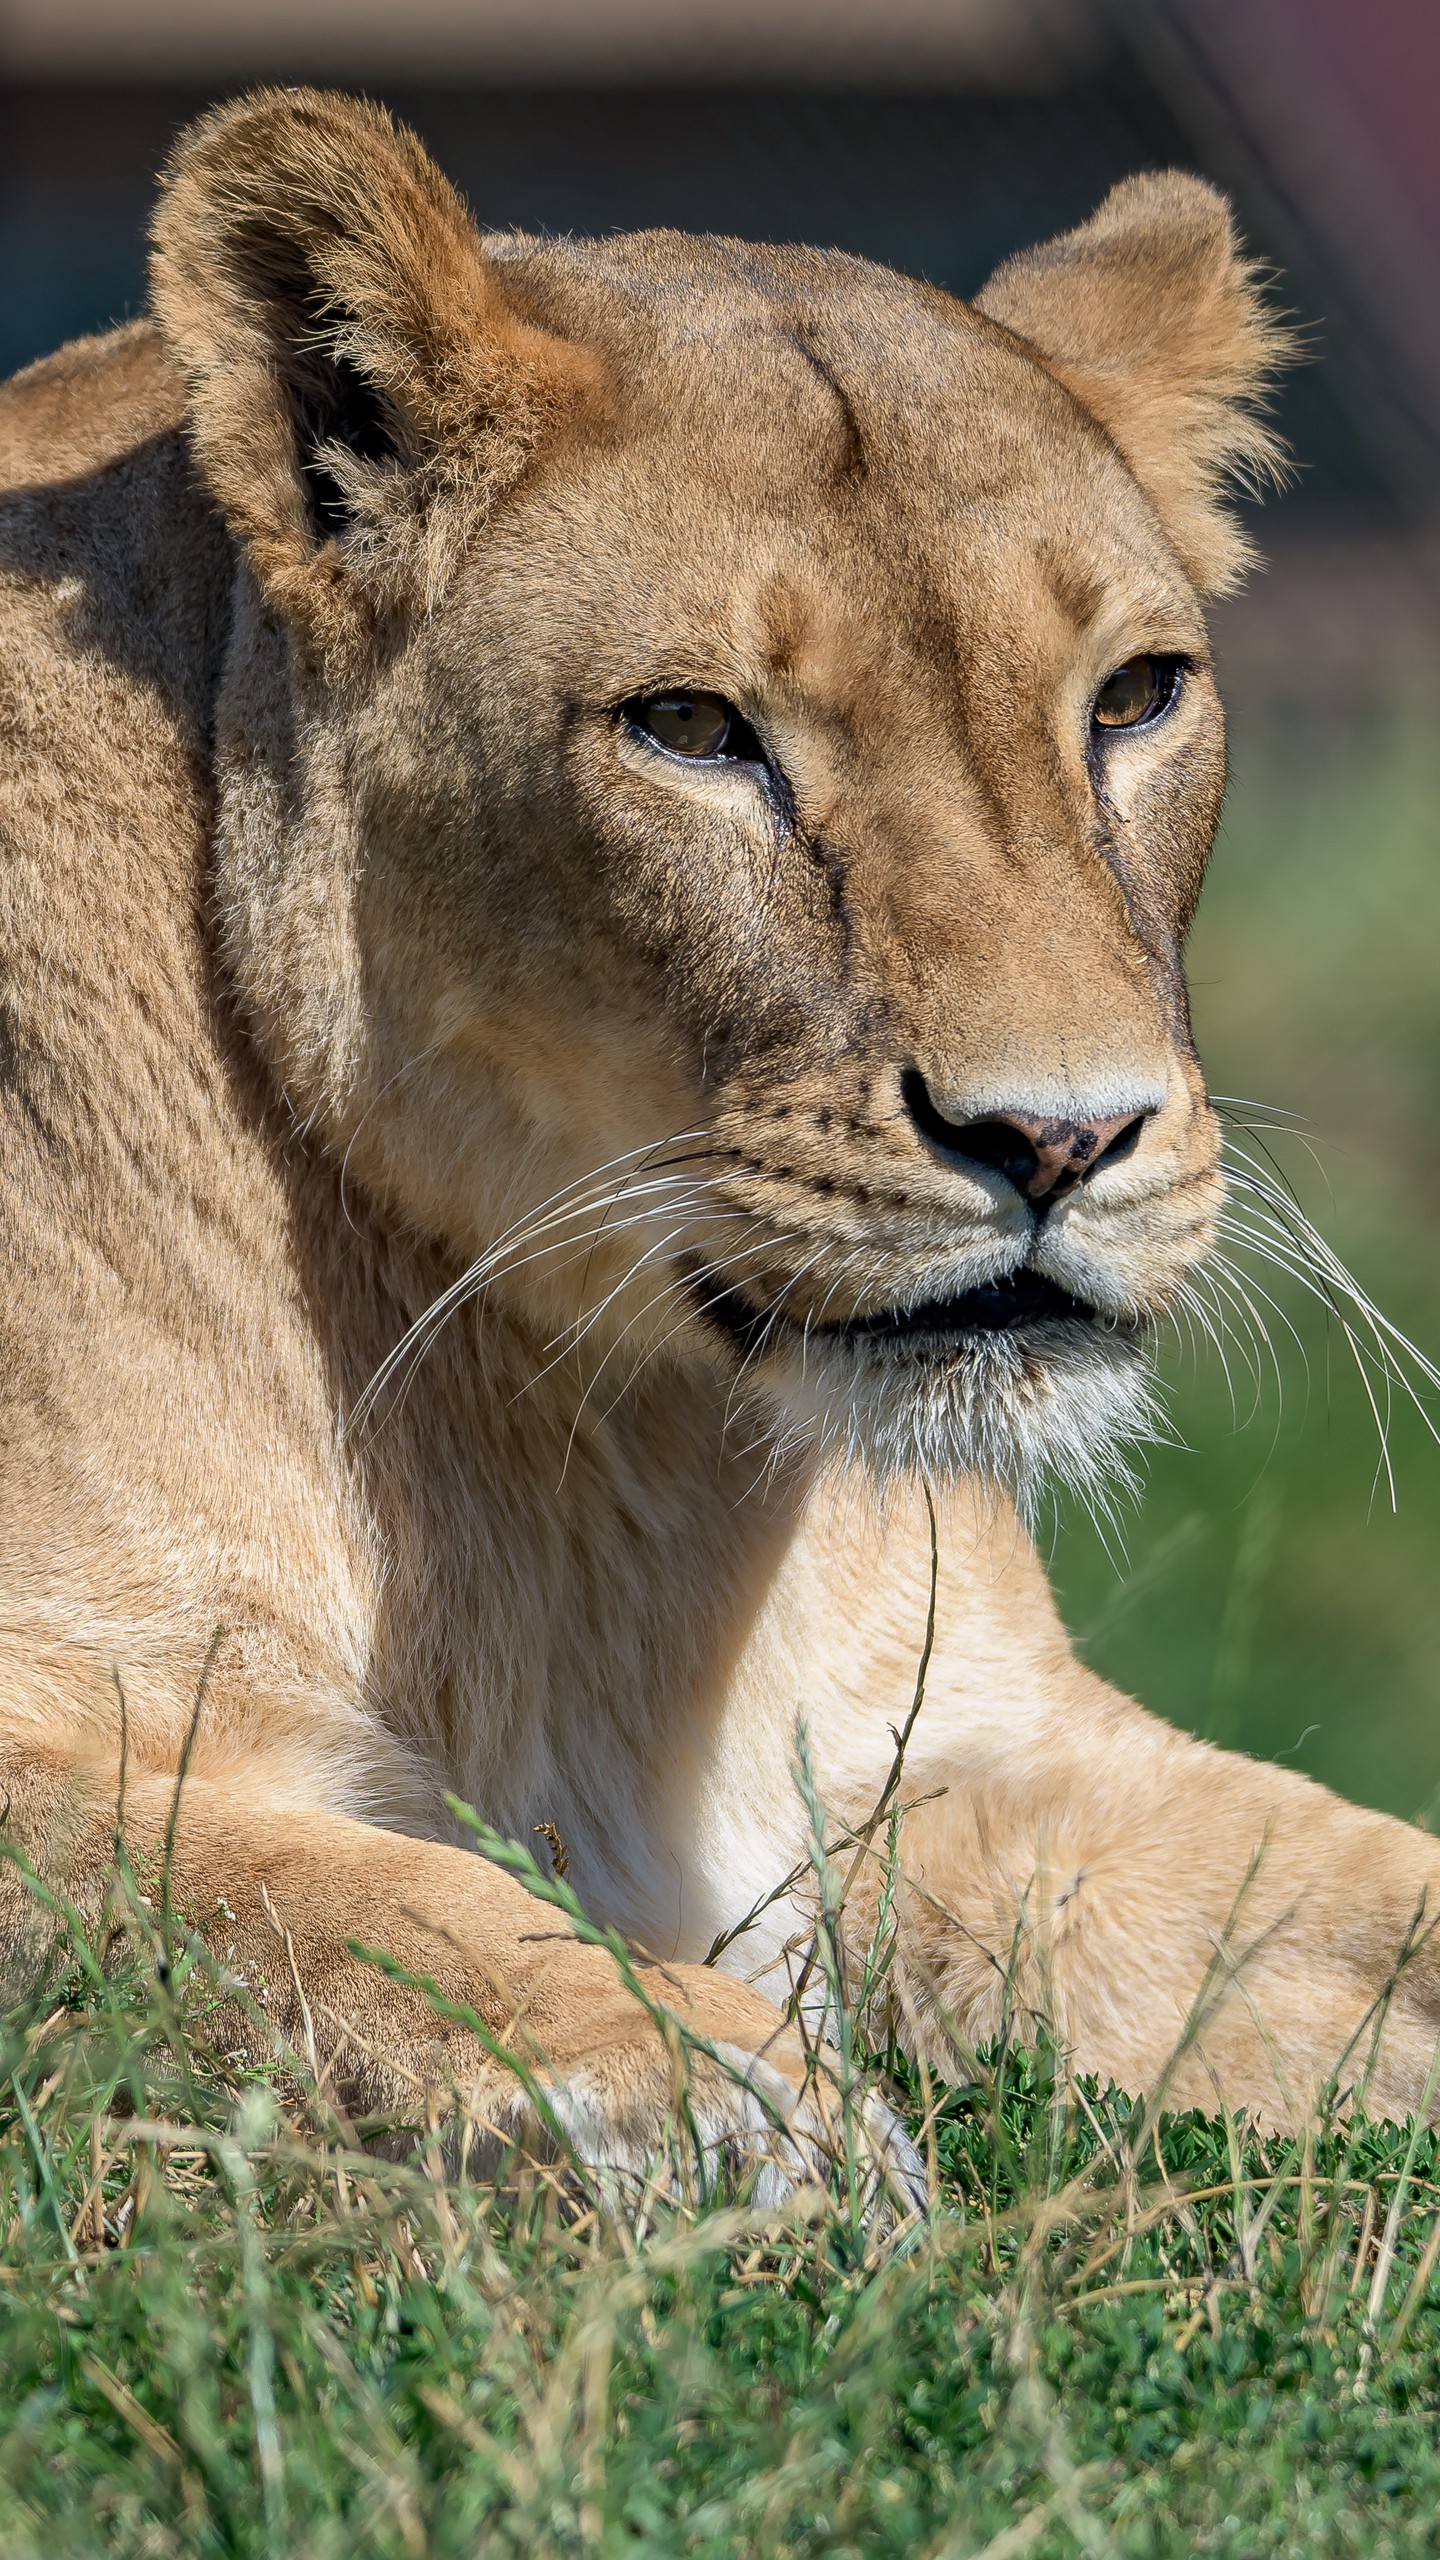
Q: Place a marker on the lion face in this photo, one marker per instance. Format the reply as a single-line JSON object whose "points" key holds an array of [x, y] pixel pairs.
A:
{"points": [[713, 801]]}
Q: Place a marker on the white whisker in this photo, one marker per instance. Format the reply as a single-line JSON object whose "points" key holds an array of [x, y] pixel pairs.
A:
{"points": [[516, 1249], [682, 1281], [1265, 1221]]}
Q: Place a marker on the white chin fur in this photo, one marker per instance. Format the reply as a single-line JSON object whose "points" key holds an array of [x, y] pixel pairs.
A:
{"points": [[1060, 1403]]}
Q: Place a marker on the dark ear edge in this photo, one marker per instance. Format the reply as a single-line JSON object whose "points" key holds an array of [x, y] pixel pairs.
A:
{"points": [[1157, 322], [349, 354]]}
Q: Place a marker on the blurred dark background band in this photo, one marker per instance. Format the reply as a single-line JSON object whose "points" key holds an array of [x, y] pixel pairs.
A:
{"points": [[934, 134]]}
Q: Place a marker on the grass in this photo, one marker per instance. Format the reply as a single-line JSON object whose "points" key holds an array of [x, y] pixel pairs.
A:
{"points": [[226, 2328]]}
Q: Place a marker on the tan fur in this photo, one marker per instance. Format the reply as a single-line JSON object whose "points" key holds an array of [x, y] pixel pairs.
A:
{"points": [[348, 929]]}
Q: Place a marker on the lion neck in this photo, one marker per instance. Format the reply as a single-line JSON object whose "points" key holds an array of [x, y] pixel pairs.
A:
{"points": [[559, 1543]]}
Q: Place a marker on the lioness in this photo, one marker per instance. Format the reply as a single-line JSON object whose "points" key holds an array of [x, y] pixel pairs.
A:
{"points": [[597, 839]]}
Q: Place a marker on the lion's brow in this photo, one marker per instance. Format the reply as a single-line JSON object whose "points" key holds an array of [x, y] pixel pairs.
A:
{"points": [[1077, 589], [852, 464]]}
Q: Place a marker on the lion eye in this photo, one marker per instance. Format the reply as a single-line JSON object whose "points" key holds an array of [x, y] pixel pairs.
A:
{"points": [[1137, 691], [697, 725]]}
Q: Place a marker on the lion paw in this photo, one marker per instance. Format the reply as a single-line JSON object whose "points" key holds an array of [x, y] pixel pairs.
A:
{"points": [[726, 2120]]}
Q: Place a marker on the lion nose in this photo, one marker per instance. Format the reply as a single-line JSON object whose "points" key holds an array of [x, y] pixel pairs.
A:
{"points": [[1043, 1157], [1046, 1158]]}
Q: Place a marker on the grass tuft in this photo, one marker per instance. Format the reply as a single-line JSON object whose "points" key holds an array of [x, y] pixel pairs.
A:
{"points": [[226, 2327]]}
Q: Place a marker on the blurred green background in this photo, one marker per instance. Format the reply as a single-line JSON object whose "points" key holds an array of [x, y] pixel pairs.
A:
{"points": [[1264, 1593]]}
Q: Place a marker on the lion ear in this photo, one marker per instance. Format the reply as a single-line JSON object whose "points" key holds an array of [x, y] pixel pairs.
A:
{"points": [[1152, 316], [350, 353]]}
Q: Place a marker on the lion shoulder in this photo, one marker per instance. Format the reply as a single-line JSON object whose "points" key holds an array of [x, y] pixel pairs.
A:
{"points": [[88, 405]]}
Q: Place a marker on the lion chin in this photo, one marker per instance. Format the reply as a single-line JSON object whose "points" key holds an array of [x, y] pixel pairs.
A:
{"points": [[1062, 1404]]}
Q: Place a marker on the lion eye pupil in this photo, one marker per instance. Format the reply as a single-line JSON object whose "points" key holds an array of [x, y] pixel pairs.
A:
{"points": [[1134, 693], [688, 724]]}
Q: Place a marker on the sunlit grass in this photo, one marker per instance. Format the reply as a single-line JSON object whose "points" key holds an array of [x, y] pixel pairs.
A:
{"points": [[226, 2328]]}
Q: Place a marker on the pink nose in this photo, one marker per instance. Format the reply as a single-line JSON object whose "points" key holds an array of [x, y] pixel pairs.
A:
{"points": [[1043, 1158]]}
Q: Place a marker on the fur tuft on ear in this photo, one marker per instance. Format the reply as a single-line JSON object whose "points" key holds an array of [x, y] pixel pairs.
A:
{"points": [[353, 364], [1152, 316]]}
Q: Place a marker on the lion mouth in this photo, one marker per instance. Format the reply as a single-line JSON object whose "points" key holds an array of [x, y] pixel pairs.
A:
{"points": [[1016, 1381], [1022, 1299]]}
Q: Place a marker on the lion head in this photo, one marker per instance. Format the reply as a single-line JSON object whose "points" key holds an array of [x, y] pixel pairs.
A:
{"points": [[716, 763]]}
